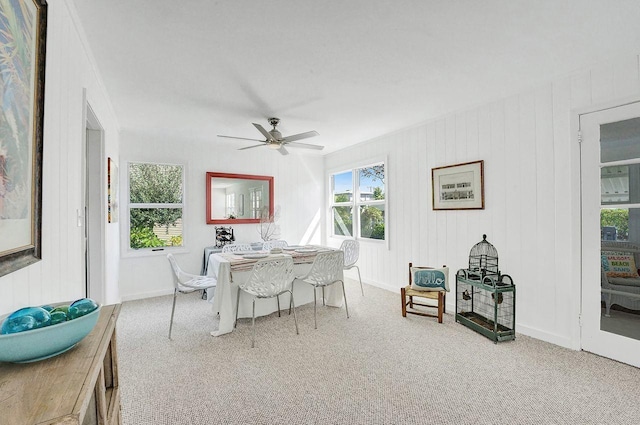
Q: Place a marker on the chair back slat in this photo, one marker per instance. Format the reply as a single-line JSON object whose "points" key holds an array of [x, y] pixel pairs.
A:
{"points": [[351, 249], [269, 245], [269, 277], [178, 274], [326, 268], [184, 281]]}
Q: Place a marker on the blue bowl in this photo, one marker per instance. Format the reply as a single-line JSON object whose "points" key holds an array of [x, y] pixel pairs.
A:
{"points": [[42, 343]]}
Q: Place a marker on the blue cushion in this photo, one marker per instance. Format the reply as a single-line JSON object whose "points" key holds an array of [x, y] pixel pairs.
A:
{"points": [[425, 279]]}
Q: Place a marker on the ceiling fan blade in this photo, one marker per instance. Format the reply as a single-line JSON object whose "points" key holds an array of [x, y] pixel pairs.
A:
{"points": [[264, 132], [283, 151], [241, 138], [300, 136], [304, 145], [249, 147]]}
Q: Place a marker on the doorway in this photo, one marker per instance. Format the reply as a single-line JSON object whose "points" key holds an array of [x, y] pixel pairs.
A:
{"points": [[92, 215], [610, 196]]}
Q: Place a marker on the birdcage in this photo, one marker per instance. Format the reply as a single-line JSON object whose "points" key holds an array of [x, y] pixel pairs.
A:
{"points": [[483, 259], [486, 298]]}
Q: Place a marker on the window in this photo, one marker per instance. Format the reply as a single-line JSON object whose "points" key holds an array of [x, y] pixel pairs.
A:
{"points": [[156, 203], [358, 202], [255, 195], [231, 205]]}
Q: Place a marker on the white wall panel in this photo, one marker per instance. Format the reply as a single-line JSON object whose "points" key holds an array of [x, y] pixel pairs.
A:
{"points": [[561, 104], [544, 163], [531, 193], [512, 260], [602, 83], [626, 78], [69, 70]]}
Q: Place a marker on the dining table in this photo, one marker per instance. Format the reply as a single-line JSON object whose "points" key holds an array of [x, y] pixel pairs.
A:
{"points": [[232, 269]]}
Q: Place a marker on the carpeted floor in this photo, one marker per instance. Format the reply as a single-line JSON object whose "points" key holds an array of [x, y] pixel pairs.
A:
{"points": [[373, 368]]}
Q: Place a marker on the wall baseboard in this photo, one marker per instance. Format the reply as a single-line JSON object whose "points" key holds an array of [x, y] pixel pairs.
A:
{"points": [[561, 340]]}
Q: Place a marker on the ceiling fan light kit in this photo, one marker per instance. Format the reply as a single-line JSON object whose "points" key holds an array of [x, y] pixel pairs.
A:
{"points": [[274, 140]]}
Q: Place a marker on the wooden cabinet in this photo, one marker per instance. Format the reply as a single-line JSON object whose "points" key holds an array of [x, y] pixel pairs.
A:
{"points": [[76, 387]]}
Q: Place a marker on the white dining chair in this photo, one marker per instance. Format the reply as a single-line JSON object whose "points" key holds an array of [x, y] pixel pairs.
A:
{"points": [[351, 249], [269, 245], [185, 282], [269, 278], [327, 269], [237, 247]]}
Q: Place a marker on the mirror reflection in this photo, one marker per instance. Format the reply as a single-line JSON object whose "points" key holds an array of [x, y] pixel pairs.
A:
{"points": [[237, 198]]}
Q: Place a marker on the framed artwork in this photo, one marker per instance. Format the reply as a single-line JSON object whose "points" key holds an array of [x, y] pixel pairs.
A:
{"points": [[23, 29], [112, 191], [458, 187]]}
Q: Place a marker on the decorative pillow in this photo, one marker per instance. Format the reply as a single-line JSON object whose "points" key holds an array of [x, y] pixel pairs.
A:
{"points": [[619, 264], [424, 279]]}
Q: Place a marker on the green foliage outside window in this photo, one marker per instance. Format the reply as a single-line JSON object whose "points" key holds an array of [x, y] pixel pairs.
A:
{"points": [[378, 194], [343, 221], [372, 217], [618, 218], [154, 184], [143, 237], [369, 205], [371, 222]]}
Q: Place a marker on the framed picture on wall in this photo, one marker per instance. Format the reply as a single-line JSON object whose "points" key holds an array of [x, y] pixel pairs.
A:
{"points": [[458, 186], [23, 29]]}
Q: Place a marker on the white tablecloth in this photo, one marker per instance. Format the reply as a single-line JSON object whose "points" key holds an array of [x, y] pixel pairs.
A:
{"points": [[225, 294]]}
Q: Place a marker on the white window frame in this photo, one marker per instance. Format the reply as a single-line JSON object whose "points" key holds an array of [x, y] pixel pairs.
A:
{"points": [[231, 204], [125, 240], [255, 197], [356, 203]]}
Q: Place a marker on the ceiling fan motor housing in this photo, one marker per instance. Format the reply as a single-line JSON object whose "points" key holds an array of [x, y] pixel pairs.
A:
{"points": [[276, 134]]}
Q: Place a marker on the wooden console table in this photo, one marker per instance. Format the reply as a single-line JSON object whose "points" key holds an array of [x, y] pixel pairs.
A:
{"points": [[76, 387]]}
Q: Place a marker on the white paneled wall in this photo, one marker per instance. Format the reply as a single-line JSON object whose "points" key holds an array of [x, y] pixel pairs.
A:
{"points": [[69, 71], [298, 186], [532, 188]]}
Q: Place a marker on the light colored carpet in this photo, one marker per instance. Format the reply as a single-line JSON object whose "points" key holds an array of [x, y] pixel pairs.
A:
{"points": [[373, 368]]}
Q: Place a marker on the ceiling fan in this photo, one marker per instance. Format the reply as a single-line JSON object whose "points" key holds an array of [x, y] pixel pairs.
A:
{"points": [[274, 139]]}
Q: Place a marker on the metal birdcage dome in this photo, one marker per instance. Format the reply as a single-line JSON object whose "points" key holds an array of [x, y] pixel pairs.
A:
{"points": [[483, 259]]}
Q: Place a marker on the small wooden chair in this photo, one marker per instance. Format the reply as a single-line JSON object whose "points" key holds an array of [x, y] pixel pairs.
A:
{"points": [[409, 292]]}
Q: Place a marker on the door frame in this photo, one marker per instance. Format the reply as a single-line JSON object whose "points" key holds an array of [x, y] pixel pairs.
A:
{"points": [[92, 217], [577, 152]]}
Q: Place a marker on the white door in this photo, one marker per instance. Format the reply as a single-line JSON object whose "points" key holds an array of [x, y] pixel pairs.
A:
{"points": [[610, 176]]}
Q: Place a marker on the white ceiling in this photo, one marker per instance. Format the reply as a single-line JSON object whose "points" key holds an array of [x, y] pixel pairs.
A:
{"points": [[350, 69]]}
